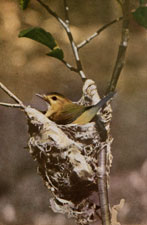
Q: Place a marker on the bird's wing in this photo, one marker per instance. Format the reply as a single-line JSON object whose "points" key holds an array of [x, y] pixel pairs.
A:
{"points": [[91, 111], [69, 113], [79, 114]]}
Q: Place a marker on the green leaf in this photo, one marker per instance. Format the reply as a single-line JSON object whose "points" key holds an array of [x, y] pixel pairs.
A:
{"points": [[24, 4], [56, 53], [141, 2], [40, 35], [140, 15]]}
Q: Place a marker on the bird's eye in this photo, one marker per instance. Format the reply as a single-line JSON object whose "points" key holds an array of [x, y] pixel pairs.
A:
{"points": [[54, 98]]}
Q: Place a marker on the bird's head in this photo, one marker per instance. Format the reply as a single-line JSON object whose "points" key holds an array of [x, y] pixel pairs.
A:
{"points": [[54, 99]]}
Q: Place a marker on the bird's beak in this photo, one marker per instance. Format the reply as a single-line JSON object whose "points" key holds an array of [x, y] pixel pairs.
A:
{"points": [[44, 97], [41, 96]]}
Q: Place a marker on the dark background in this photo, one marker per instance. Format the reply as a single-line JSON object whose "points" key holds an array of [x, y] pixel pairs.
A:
{"points": [[26, 70]]}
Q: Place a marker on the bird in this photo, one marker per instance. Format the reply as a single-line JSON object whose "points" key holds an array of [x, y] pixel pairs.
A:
{"points": [[62, 110]]}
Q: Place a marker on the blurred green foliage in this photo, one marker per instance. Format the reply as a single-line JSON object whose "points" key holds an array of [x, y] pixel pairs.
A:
{"points": [[24, 4], [140, 15]]}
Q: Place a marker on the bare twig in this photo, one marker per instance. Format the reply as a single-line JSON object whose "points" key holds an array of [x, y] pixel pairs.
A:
{"points": [[122, 48], [66, 12], [11, 105], [11, 96], [85, 42], [70, 37], [69, 66]]}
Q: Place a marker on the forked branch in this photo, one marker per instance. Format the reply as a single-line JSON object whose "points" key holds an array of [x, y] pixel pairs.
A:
{"points": [[75, 48], [66, 27], [16, 99]]}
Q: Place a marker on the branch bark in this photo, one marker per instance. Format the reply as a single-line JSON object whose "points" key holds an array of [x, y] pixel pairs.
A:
{"points": [[11, 105], [16, 99], [103, 156], [69, 66], [120, 61], [66, 8], [70, 36], [89, 39], [103, 188]]}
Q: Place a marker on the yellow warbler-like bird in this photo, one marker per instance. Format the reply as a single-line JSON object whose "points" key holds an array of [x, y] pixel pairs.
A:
{"points": [[61, 110]]}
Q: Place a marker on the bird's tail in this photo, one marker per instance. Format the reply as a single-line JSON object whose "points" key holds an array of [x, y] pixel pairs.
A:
{"points": [[91, 111], [104, 100]]}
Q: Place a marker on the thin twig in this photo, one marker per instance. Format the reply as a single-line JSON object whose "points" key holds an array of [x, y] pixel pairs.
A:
{"points": [[85, 42], [8, 92], [70, 37], [66, 12], [11, 105], [120, 61], [69, 66]]}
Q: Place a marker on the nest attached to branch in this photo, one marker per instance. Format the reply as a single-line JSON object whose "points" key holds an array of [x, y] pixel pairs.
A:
{"points": [[67, 157]]}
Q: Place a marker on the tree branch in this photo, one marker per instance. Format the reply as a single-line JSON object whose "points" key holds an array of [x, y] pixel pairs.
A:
{"points": [[85, 42], [69, 66], [66, 12], [120, 61], [103, 188], [70, 37], [103, 155], [11, 105], [8, 92]]}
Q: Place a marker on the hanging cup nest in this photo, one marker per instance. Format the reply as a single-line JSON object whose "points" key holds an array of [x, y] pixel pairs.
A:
{"points": [[68, 158]]}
